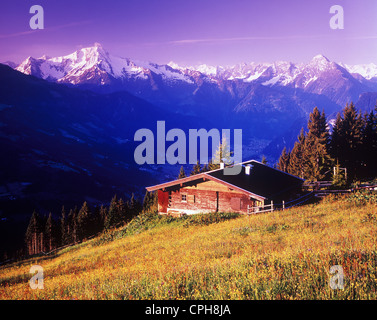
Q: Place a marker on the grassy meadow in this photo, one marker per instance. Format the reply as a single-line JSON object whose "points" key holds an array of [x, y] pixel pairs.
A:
{"points": [[280, 255]]}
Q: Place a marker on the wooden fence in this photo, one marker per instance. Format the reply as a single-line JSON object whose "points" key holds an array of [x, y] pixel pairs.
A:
{"points": [[281, 206], [260, 209]]}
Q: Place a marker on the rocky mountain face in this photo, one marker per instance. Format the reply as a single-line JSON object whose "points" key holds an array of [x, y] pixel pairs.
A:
{"points": [[188, 89]]}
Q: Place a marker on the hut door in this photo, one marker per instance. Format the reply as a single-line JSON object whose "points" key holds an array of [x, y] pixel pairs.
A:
{"points": [[217, 201], [163, 201]]}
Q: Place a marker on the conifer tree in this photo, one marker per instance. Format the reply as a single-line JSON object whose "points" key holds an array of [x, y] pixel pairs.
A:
{"points": [[317, 126], [150, 202], [123, 211], [196, 168], [103, 212], [222, 155], [134, 207], [33, 234], [204, 168], [339, 179], [296, 160], [50, 234], [346, 144], [64, 238], [72, 232], [83, 222], [182, 173], [283, 162], [317, 161], [369, 145], [113, 217], [336, 139]]}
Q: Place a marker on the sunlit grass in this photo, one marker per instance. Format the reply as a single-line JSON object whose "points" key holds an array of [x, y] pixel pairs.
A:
{"points": [[279, 255]]}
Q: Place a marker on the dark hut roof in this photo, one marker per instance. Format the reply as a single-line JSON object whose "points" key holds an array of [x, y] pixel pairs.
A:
{"points": [[263, 182]]}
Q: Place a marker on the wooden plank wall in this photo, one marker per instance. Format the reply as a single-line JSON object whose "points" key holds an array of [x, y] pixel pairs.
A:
{"points": [[207, 196]]}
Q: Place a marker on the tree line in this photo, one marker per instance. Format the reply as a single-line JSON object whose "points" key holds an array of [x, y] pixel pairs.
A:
{"points": [[45, 234], [347, 153]]}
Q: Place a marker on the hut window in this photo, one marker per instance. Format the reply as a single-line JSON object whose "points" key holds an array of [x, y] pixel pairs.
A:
{"points": [[191, 198], [183, 197], [169, 202]]}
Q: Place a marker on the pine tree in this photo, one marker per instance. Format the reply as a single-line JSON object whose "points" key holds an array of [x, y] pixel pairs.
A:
{"points": [[317, 126], [339, 179], [204, 168], [317, 161], [123, 211], [64, 239], [83, 222], [113, 218], [296, 160], [197, 168], [222, 155], [283, 162], [134, 206], [103, 212], [336, 139], [369, 145], [182, 173], [150, 202], [346, 141], [147, 201], [50, 234], [33, 234], [72, 230]]}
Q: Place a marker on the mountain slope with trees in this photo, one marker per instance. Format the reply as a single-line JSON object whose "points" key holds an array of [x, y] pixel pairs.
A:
{"points": [[352, 145]]}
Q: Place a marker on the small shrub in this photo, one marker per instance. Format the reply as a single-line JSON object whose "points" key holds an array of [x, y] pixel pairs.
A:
{"points": [[363, 197], [243, 231], [205, 219], [369, 217]]}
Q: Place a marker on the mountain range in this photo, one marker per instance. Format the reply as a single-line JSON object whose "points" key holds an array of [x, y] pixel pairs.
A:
{"points": [[97, 69], [269, 101], [67, 123]]}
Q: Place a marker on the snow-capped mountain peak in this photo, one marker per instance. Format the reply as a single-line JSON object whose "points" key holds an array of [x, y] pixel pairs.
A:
{"points": [[368, 71], [320, 63], [95, 65], [320, 57]]}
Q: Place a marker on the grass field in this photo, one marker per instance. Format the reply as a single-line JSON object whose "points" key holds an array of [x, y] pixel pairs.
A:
{"points": [[280, 255]]}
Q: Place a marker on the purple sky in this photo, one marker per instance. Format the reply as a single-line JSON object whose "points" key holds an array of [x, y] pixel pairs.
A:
{"points": [[193, 32]]}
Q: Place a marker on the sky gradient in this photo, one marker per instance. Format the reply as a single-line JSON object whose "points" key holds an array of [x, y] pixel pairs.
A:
{"points": [[214, 32]]}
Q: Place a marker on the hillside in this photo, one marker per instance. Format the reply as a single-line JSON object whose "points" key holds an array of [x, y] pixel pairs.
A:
{"points": [[63, 145], [280, 255]]}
